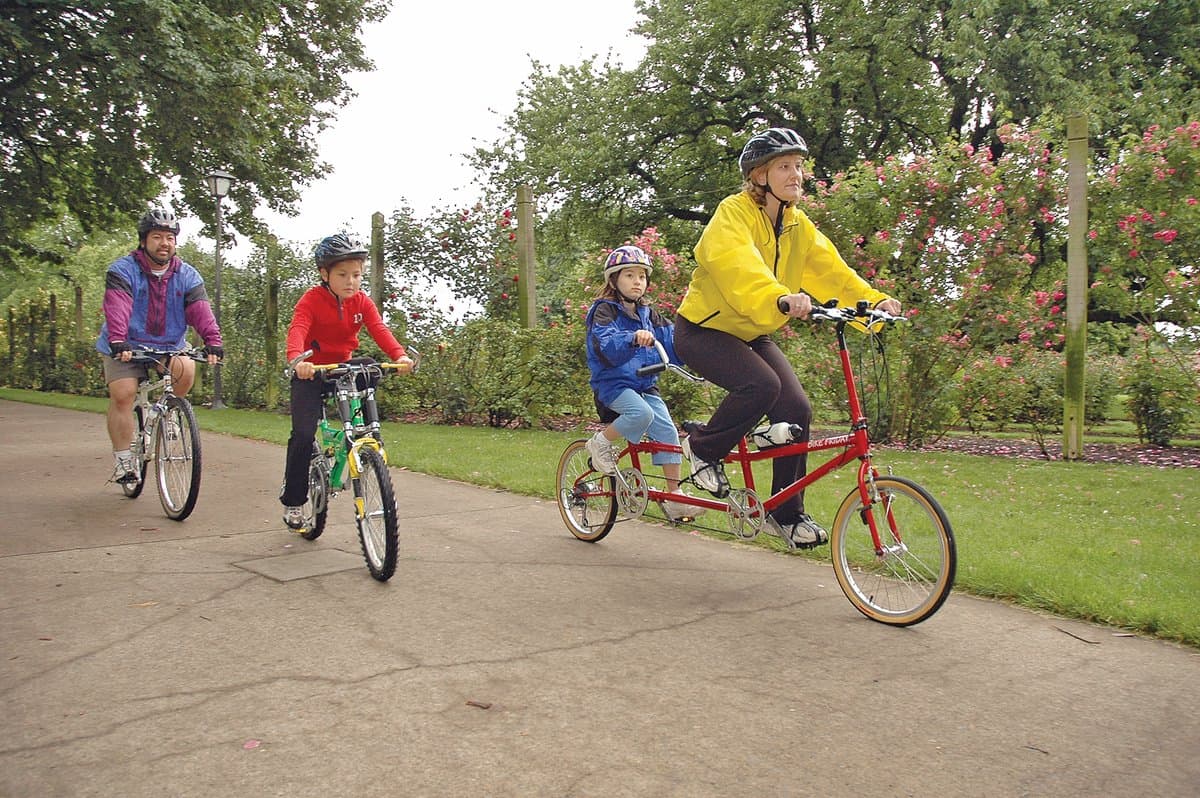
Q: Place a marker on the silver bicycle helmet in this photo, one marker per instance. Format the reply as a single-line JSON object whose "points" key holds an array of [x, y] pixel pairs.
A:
{"points": [[771, 143], [339, 246], [157, 219]]}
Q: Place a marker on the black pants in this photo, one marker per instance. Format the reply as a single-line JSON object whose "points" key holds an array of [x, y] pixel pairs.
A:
{"points": [[760, 382], [306, 414]]}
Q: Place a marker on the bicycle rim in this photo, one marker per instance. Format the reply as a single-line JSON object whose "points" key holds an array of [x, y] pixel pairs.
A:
{"points": [[177, 458], [316, 507], [913, 575], [134, 489], [586, 498], [377, 526]]}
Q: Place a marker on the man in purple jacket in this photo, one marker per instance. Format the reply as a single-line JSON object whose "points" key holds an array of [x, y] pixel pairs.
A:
{"points": [[151, 297]]}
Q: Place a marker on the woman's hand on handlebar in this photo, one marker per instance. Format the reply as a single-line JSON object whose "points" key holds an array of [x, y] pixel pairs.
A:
{"points": [[795, 306], [891, 306]]}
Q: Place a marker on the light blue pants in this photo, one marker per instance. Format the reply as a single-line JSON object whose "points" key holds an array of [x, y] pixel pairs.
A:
{"points": [[646, 414]]}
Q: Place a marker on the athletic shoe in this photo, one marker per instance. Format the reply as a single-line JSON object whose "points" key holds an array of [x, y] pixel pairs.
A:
{"points": [[679, 511], [124, 473], [705, 475], [294, 518], [603, 453], [803, 533]]}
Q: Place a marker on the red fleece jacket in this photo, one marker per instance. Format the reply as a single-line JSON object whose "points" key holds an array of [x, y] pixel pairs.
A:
{"points": [[329, 326]]}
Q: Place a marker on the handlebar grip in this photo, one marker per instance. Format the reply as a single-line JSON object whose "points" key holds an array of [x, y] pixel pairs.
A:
{"points": [[783, 305], [653, 368]]}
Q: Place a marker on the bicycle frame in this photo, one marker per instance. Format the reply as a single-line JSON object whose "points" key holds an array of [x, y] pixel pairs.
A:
{"points": [[855, 445], [359, 416]]}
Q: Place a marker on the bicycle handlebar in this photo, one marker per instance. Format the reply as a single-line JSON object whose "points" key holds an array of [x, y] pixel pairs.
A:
{"points": [[149, 356], [831, 312], [327, 371], [655, 368]]}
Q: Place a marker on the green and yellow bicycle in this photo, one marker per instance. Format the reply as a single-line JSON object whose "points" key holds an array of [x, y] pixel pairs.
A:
{"points": [[349, 450]]}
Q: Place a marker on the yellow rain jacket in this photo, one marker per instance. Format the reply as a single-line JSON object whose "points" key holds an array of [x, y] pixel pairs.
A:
{"points": [[741, 270]]}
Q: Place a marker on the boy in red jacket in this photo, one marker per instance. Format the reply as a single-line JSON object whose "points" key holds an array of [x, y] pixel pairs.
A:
{"points": [[327, 320]]}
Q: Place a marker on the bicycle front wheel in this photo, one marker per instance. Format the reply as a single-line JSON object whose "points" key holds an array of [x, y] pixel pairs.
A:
{"points": [[587, 499], [177, 458], [909, 576], [375, 507], [134, 489]]}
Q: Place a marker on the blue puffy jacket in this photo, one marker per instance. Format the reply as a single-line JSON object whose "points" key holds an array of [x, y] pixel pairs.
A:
{"points": [[611, 354]]}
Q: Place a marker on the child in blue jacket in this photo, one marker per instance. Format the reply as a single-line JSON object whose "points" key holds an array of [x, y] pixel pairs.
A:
{"points": [[621, 331]]}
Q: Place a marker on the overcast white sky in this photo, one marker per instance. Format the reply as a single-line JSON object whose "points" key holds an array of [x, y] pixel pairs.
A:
{"points": [[445, 74]]}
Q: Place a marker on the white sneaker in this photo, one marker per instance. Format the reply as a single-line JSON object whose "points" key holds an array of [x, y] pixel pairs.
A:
{"points": [[679, 511], [805, 533], [603, 453], [294, 518], [705, 475], [124, 473]]}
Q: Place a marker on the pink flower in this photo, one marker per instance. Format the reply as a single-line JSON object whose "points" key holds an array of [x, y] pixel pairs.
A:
{"points": [[1166, 236]]}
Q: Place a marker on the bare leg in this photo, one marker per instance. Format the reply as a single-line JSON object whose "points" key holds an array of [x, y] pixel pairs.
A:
{"points": [[671, 472], [121, 394], [183, 375]]}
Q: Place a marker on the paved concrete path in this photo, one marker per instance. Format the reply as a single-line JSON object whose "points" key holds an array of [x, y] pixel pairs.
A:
{"points": [[146, 657]]}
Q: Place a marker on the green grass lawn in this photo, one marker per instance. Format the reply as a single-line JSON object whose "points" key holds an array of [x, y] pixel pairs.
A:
{"points": [[1116, 544]]}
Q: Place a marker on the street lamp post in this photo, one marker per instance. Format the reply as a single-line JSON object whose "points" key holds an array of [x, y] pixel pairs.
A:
{"points": [[218, 185]]}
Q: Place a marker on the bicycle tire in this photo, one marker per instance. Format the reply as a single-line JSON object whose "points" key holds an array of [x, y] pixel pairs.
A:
{"points": [[375, 511], [587, 499], [317, 507], [177, 458], [134, 489], [911, 580]]}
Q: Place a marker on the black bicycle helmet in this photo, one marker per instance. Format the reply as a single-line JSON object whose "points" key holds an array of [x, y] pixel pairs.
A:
{"points": [[157, 219], [771, 143], [336, 247]]}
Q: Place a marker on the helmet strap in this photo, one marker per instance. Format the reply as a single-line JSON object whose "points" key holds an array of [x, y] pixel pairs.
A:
{"points": [[150, 255]]}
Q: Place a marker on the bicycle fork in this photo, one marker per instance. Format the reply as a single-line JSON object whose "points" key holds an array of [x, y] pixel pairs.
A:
{"points": [[872, 498]]}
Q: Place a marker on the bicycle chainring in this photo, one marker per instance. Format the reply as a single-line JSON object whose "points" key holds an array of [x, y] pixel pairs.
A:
{"points": [[632, 493], [746, 513]]}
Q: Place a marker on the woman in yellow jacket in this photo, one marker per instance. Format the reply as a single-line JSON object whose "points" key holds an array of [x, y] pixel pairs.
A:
{"points": [[760, 253]]}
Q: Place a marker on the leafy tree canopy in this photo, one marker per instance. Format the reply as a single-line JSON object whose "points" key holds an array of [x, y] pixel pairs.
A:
{"points": [[609, 150], [102, 105]]}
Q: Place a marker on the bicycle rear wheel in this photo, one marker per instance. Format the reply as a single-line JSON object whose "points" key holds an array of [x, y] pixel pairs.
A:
{"points": [[177, 458], [375, 508], [587, 499], [909, 579], [317, 506], [134, 489]]}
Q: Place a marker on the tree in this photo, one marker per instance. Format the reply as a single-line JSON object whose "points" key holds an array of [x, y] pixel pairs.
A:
{"points": [[609, 150], [103, 104]]}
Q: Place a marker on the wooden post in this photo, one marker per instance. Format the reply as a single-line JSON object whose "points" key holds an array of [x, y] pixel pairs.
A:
{"points": [[1077, 287], [377, 259], [526, 262], [80, 335], [271, 323]]}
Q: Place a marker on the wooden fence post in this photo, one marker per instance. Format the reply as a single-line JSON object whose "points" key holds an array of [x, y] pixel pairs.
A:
{"points": [[1077, 288], [526, 262]]}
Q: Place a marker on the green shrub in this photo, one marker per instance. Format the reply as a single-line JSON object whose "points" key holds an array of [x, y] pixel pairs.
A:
{"points": [[1162, 393]]}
